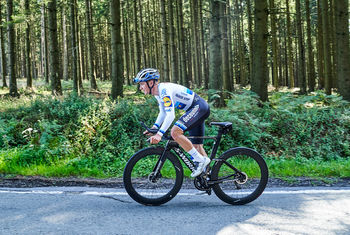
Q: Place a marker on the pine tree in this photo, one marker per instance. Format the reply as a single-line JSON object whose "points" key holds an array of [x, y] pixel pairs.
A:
{"points": [[260, 76], [117, 48], [53, 48], [342, 49], [2, 51], [11, 50]]}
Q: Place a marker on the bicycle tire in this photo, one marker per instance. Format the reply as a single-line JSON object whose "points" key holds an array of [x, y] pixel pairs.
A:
{"points": [[245, 160], [140, 188]]}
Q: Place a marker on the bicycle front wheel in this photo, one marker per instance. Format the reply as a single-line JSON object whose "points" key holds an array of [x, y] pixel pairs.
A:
{"points": [[241, 175], [139, 180]]}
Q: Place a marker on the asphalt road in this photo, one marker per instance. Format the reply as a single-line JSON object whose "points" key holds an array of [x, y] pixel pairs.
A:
{"points": [[82, 210]]}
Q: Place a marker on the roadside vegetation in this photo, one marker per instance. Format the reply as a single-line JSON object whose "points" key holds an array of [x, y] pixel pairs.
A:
{"points": [[92, 136]]}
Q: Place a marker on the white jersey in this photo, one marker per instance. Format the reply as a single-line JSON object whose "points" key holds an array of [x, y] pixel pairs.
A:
{"points": [[171, 96]]}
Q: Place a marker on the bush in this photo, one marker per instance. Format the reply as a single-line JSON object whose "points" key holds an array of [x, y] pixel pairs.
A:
{"points": [[98, 136]]}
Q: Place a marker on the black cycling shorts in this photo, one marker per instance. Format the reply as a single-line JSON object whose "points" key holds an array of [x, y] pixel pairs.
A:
{"points": [[194, 118]]}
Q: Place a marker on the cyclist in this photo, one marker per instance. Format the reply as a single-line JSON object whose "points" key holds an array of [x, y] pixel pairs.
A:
{"points": [[169, 97]]}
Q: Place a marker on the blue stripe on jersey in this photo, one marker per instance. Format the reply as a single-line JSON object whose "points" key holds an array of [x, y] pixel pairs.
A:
{"points": [[161, 131], [156, 125], [182, 126], [189, 91]]}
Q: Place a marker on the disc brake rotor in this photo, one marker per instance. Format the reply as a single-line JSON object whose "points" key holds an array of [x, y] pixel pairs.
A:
{"points": [[242, 179]]}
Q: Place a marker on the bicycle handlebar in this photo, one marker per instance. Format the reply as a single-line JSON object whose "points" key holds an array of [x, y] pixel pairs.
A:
{"points": [[154, 131]]}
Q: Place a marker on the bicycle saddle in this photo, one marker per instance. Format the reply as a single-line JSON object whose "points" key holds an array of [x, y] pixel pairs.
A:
{"points": [[224, 126]]}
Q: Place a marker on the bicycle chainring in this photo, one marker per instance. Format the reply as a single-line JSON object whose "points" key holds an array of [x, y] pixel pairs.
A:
{"points": [[201, 183]]}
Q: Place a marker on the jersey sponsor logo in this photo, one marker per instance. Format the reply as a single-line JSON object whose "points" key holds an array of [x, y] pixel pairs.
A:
{"points": [[192, 113], [180, 105], [167, 101], [182, 97], [179, 96]]}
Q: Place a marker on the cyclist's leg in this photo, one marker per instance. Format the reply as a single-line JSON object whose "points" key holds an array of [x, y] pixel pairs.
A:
{"points": [[198, 130], [184, 142], [200, 149], [193, 121], [178, 135]]}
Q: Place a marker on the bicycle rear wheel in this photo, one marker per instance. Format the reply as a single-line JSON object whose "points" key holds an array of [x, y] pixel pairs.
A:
{"points": [[241, 174], [140, 183]]}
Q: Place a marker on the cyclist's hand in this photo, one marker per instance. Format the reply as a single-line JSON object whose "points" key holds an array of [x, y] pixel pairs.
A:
{"points": [[155, 139]]}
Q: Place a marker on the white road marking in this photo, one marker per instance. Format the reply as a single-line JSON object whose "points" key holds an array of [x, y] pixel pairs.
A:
{"points": [[195, 193]]}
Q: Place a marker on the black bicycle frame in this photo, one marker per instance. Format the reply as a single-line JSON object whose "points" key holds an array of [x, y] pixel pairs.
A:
{"points": [[171, 144]]}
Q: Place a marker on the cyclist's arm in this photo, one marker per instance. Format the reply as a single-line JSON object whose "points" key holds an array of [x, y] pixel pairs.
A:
{"points": [[161, 115], [169, 115]]}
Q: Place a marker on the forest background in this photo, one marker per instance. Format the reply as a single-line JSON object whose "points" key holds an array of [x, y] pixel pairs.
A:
{"points": [[277, 69]]}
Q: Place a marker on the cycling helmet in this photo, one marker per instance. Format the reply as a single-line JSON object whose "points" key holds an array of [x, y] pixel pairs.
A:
{"points": [[147, 74]]}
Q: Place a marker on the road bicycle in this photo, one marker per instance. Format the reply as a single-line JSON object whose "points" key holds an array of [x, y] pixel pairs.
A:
{"points": [[154, 175]]}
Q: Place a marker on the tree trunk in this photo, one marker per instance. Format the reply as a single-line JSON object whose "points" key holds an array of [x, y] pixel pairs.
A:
{"points": [[137, 54], [250, 35], [11, 50], [195, 41], [173, 55], [28, 55], [224, 49], [2, 51], [260, 70], [78, 50], [301, 49], [74, 49], [165, 71], [311, 64], [342, 50], [229, 44], [326, 51], [125, 25], [132, 70], [53, 48], [82, 49], [65, 45], [274, 44], [90, 46], [240, 45], [184, 80], [44, 52], [333, 43], [215, 58], [290, 59], [203, 56], [142, 46], [320, 55], [117, 50]]}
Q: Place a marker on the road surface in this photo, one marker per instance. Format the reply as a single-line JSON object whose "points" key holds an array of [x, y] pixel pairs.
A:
{"points": [[84, 210]]}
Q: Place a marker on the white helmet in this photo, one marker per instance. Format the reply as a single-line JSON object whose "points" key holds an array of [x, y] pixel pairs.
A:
{"points": [[147, 74]]}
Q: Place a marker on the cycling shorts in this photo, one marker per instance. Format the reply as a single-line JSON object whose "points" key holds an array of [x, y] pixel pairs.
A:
{"points": [[194, 118]]}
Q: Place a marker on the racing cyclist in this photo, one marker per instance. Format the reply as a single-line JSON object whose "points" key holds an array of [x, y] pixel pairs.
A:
{"points": [[169, 97]]}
